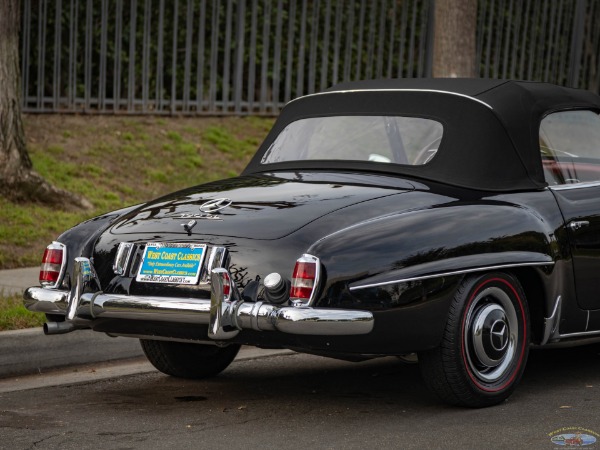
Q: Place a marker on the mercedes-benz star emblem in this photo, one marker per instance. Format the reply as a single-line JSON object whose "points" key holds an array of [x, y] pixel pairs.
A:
{"points": [[215, 205], [499, 335]]}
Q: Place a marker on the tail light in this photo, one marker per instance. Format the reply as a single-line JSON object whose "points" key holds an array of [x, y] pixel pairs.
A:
{"points": [[226, 285], [305, 279], [53, 264]]}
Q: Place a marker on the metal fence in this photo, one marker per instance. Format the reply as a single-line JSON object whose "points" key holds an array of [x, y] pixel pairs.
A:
{"points": [[252, 56]]}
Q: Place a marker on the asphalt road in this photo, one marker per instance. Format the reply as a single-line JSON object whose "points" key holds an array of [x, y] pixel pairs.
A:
{"points": [[300, 402]]}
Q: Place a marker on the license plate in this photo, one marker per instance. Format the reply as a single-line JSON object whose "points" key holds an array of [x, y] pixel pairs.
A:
{"points": [[171, 263]]}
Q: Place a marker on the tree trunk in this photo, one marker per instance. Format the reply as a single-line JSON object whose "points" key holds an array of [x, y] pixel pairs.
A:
{"points": [[454, 46], [18, 181]]}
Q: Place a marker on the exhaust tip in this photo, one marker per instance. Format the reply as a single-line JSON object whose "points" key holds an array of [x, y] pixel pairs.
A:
{"points": [[51, 328]]}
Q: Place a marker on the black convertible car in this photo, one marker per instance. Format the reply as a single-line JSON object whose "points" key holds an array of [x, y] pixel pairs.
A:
{"points": [[455, 219]]}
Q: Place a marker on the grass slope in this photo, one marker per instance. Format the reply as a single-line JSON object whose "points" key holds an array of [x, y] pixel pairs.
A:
{"points": [[114, 161]]}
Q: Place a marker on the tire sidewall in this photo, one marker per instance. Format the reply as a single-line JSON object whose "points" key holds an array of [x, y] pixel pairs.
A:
{"points": [[503, 386]]}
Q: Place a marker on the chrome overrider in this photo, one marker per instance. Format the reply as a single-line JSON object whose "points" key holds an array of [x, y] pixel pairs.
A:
{"points": [[226, 315]]}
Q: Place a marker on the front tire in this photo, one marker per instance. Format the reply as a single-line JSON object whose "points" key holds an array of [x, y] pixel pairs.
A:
{"points": [[194, 361], [485, 343]]}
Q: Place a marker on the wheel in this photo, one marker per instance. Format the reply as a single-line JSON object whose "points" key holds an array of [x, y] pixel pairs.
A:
{"points": [[485, 343], [188, 360]]}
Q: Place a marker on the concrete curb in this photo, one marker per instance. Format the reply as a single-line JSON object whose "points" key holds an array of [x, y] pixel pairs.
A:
{"points": [[29, 351], [24, 352]]}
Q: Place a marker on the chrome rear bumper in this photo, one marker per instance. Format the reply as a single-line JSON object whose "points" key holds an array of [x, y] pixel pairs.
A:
{"points": [[225, 315]]}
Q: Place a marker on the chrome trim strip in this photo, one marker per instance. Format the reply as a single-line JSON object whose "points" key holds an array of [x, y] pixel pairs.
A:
{"points": [[448, 274], [567, 187], [580, 334], [396, 90]]}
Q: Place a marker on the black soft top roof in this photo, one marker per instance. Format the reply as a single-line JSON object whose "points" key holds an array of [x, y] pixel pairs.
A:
{"points": [[491, 127]]}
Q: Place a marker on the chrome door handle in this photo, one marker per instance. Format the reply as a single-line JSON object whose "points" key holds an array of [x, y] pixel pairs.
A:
{"points": [[577, 224]]}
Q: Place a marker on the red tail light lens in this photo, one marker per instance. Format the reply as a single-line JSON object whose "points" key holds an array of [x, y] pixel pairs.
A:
{"points": [[304, 279], [226, 286], [53, 263]]}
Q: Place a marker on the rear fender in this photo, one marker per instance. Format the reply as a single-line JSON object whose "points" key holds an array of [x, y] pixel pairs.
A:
{"points": [[432, 246]]}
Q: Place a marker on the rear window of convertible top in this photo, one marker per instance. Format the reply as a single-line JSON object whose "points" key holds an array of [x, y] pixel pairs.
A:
{"points": [[382, 139]]}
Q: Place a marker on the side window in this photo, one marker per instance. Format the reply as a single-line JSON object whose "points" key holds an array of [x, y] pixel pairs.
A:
{"points": [[570, 147]]}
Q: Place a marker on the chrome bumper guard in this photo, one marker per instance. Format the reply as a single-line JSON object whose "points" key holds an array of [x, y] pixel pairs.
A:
{"points": [[225, 315]]}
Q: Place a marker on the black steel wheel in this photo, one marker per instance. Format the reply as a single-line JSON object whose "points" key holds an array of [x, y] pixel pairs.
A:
{"points": [[184, 360], [485, 344]]}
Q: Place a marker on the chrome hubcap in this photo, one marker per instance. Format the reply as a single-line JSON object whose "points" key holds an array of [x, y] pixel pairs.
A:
{"points": [[491, 334]]}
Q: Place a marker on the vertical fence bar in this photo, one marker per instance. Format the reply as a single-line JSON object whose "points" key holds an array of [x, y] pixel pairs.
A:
{"points": [[576, 44], [532, 39], [146, 39], [359, 45], [214, 55], [325, 52], [289, 64], [481, 12], [312, 55], [515, 45], [160, 59], [227, 57], [88, 54], [539, 55], [277, 57], [509, 21], [25, 56], [73, 47], [117, 57], [402, 45], [557, 42], [56, 79], [349, 40], [422, 40], [411, 45], [174, 49], [41, 54], [264, 63], [380, 41], [252, 56], [567, 21], [201, 57], [371, 40], [337, 42], [132, 52], [392, 40], [101, 102], [301, 50], [430, 32], [239, 56], [499, 36], [488, 47], [187, 65], [549, 49]]}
